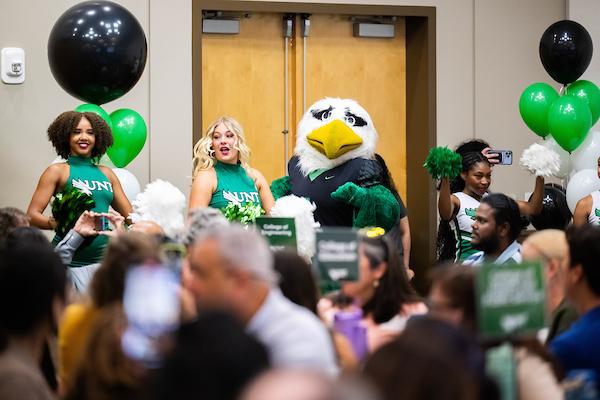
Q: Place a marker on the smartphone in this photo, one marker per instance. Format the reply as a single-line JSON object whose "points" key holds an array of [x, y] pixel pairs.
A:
{"points": [[102, 223], [152, 306], [505, 157]]}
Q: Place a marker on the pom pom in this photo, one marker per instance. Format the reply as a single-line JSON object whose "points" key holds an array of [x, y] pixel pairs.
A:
{"points": [[540, 160], [244, 214], [162, 203], [67, 207], [302, 211], [441, 162]]}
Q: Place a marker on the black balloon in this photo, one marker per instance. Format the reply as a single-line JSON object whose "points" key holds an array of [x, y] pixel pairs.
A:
{"points": [[97, 51], [555, 212], [566, 51]]}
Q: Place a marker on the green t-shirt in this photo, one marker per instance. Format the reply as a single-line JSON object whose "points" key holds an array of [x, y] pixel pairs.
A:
{"points": [[84, 174], [233, 185]]}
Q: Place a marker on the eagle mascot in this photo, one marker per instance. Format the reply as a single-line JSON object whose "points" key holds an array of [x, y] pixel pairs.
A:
{"points": [[335, 166]]}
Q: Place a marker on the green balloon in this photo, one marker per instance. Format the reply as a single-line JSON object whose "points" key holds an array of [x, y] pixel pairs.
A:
{"points": [[96, 110], [589, 93], [534, 104], [569, 119], [129, 136]]}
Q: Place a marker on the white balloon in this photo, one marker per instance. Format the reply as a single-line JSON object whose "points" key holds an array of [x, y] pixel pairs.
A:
{"points": [[129, 183], [565, 158], [586, 155], [581, 184], [58, 160]]}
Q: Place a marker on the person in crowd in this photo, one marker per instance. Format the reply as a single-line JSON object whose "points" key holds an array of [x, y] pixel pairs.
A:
{"points": [[104, 371], [81, 138], [400, 232], [10, 218], [495, 231], [213, 359], [296, 280], [232, 269], [452, 296], [298, 284], [430, 360], [452, 299], [32, 296], [578, 347], [107, 287], [199, 220], [458, 201], [383, 291], [550, 247], [222, 172], [587, 210], [290, 384], [85, 227]]}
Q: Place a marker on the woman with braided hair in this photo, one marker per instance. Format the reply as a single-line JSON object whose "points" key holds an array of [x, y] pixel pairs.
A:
{"points": [[458, 202]]}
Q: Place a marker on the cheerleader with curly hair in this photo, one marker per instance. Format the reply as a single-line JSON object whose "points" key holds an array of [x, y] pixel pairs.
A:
{"points": [[222, 173], [81, 139]]}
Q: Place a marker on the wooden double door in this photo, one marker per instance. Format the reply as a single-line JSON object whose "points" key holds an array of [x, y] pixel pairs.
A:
{"points": [[244, 76]]}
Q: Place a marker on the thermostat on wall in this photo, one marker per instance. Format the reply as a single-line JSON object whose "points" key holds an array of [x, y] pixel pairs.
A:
{"points": [[12, 65]]}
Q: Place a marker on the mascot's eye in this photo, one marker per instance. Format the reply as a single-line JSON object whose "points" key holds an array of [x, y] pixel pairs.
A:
{"points": [[322, 115], [354, 120]]}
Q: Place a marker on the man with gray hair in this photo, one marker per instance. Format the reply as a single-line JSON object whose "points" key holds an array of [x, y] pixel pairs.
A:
{"points": [[231, 269]]}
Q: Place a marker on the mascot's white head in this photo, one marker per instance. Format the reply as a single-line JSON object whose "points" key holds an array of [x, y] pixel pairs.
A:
{"points": [[332, 132]]}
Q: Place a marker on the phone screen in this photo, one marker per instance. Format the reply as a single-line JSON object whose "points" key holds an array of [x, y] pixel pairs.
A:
{"points": [[102, 223], [152, 307]]}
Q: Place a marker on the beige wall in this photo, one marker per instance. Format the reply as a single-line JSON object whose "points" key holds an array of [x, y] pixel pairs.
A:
{"points": [[486, 55]]}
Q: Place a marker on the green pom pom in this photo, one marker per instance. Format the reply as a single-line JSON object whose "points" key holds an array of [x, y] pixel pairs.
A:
{"points": [[245, 214], [67, 207], [441, 162], [281, 187]]}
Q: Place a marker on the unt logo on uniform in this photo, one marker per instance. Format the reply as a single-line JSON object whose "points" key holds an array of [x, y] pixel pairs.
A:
{"points": [[470, 212]]}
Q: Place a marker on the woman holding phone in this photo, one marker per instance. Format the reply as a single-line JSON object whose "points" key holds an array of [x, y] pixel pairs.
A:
{"points": [[81, 138], [458, 200]]}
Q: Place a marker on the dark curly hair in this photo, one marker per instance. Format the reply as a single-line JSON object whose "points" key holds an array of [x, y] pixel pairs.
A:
{"points": [[59, 133]]}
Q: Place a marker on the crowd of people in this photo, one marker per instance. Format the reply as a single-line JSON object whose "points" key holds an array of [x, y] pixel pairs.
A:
{"points": [[126, 312]]}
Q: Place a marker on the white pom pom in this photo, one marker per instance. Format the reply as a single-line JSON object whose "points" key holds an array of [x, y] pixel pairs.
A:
{"points": [[163, 203], [540, 160], [303, 212]]}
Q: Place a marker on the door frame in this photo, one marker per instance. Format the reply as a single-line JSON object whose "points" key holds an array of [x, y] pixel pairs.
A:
{"points": [[420, 102]]}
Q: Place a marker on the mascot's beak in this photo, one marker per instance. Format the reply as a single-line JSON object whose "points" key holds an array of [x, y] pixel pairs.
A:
{"points": [[334, 139]]}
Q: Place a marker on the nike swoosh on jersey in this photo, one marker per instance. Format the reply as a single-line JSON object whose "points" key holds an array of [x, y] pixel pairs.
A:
{"points": [[329, 177]]}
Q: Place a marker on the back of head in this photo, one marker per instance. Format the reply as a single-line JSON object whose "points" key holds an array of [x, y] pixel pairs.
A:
{"points": [[123, 252], [584, 251], [32, 277], [213, 359], [431, 360], [201, 219], [457, 284], [26, 234], [506, 210], [551, 244], [105, 372], [11, 218], [296, 280], [292, 384], [242, 249]]}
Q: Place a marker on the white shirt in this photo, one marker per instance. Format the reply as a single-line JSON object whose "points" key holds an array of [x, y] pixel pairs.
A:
{"points": [[294, 336], [511, 254]]}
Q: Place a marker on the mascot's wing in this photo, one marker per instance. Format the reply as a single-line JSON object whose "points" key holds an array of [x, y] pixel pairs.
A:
{"points": [[281, 187]]}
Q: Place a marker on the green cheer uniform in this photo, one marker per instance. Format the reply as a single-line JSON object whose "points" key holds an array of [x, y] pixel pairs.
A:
{"points": [[233, 186], [83, 173], [462, 225]]}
